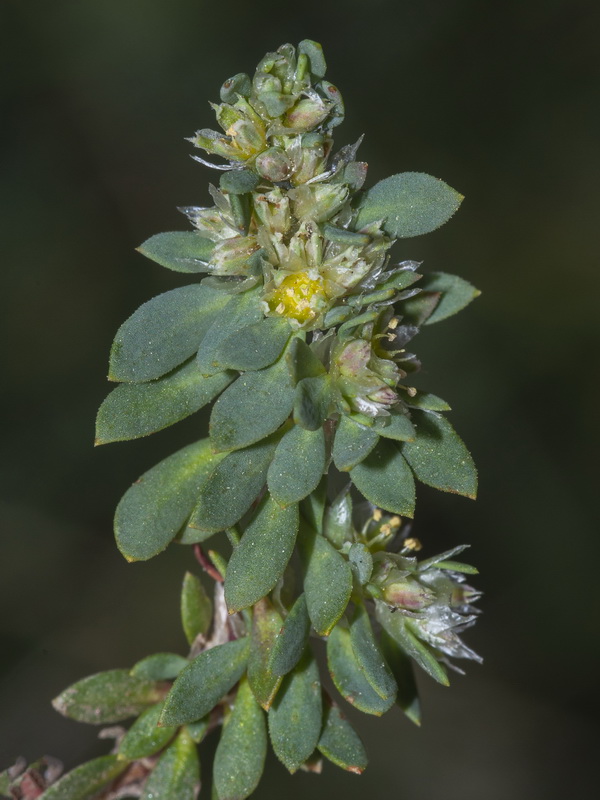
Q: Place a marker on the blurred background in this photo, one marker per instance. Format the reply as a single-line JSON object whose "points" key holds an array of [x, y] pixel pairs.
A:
{"points": [[498, 99]]}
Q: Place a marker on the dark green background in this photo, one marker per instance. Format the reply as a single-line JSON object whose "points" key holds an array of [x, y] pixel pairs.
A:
{"points": [[498, 99]]}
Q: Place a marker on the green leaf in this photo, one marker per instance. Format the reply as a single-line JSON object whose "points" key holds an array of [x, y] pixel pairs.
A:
{"points": [[266, 624], [458, 566], [338, 519], [361, 562], [198, 730], [426, 401], [259, 560], [232, 487], [242, 749], [290, 643], [402, 670], [314, 52], [243, 310], [84, 782], [239, 181], [153, 510], [327, 582], [411, 204], [456, 294], [416, 310], [159, 667], [253, 407], [204, 682], [369, 656], [302, 361], [295, 716], [395, 625], [164, 332], [107, 697], [297, 466], [385, 479], [397, 426], [177, 772], [348, 677], [196, 608], [353, 443], [438, 456], [182, 251], [255, 346], [145, 738], [312, 402], [339, 741], [139, 409]]}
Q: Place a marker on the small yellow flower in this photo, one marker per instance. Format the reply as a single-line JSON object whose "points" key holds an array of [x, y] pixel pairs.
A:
{"points": [[296, 295]]}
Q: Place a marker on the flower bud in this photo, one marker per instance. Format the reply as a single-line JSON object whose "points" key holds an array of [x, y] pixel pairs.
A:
{"points": [[407, 594], [273, 165]]}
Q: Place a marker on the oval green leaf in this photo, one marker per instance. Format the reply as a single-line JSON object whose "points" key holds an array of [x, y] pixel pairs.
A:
{"points": [[297, 465], [139, 409], [352, 444], [410, 204], [253, 407], [107, 697], [290, 643], [327, 581], [177, 772], [204, 682], [438, 456], [145, 738], [164, 332], [181, 251], [255, 346], [348, 677], [266, 624], [295, 716], [385, 479], [196, 607], [159, 666], [233, 486], [369, 656], [456, 293], [155, 508], [397, 426], [402, 669], [339, 741], [84, 782], [242, 749], [262, 555]]}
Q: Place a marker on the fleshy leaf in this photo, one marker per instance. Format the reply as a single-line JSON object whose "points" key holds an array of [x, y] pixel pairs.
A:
{"points": [[153, 510], [196, 607], [410, 204], [243, 310], [385, 479], [339, 741], [159, 666], [456, 293], [369, 656], [233, 486], [327, 582], [438, 456], [338, 519], [259, 560], [255, 346], [242, 749], [312, 402], [164, 332], [302, 361], [295, 716], [205, 681], [107, 697], [85, 781], [361, 562], [297, 466], [177, 772], [312, 508], [353, 442], [427, 402], [145, 738], [139, 409], [181, 251], [402, 669], [253, 407], [348, 677], [397, 426], [266, 624], [290, 643], [395, 625]]}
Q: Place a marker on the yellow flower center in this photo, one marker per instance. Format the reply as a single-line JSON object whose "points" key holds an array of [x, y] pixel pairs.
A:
{"points": [[293, 296]]}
